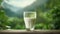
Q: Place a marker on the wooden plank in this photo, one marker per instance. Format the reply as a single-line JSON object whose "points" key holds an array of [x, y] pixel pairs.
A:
{"points": [[29, 32]]}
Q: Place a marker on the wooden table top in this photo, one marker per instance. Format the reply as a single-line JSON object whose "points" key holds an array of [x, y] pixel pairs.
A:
{"points": [[30, 32]]}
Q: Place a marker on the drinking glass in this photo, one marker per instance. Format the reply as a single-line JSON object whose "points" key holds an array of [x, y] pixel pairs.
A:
{"points": [[30, 19]]}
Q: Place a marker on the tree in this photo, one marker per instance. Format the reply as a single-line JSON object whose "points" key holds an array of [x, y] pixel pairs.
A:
{"points": [[49, 16], [3, 20]]}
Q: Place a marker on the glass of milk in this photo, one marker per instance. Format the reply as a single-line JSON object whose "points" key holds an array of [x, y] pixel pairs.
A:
{"points": [[30, 19]]}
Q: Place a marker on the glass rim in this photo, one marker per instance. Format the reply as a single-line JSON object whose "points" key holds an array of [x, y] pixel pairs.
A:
{"points": [[28, 12]]}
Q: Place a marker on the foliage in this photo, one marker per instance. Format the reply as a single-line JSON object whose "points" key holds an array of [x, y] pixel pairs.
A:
{"points": [[50, 16], [0, 1], [3, 20], [15, 23]]}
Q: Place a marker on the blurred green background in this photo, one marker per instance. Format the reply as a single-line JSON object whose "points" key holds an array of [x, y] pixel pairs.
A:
{"points": [[47, 18]]}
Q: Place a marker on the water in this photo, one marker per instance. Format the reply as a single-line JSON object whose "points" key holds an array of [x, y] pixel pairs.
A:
{"points": [[30, 23]]}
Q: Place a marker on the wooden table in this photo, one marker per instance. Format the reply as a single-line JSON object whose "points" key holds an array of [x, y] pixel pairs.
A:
{"points": [[29, 32]]}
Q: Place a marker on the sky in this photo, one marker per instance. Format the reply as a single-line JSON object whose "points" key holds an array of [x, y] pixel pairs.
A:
{"points": [[19, 3]]}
